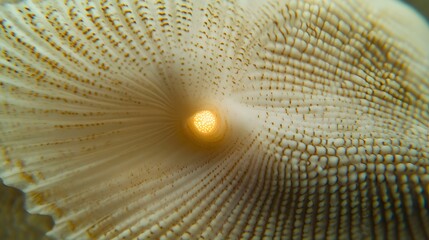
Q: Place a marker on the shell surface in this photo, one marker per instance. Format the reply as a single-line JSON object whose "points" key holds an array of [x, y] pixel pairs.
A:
{"points": [[322, 110]]}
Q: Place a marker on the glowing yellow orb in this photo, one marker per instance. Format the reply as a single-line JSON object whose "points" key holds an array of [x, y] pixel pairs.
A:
{"points": [[206, 126], [205, 122]]}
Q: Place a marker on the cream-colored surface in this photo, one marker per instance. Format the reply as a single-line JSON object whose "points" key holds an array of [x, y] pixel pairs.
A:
{"points": [[325, 105]]}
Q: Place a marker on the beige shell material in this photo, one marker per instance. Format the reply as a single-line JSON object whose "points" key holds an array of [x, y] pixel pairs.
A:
{"points": [[320, 118]]}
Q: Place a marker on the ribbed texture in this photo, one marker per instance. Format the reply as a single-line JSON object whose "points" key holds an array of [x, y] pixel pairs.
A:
{"points": [[326, 106]]}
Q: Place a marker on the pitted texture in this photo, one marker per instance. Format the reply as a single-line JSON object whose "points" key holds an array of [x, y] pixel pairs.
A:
{"points": [[325, 106]]}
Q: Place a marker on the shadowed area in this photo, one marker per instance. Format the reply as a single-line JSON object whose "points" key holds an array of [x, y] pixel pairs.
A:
{"points": [[15, 222], [421, 6]]}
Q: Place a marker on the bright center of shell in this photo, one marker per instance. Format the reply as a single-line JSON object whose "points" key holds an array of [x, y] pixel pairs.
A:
{"points": [[205, 122], [206, 126]]}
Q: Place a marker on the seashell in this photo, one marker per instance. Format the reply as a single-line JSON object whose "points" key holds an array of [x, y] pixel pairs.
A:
{"points": [[298, 119]]}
